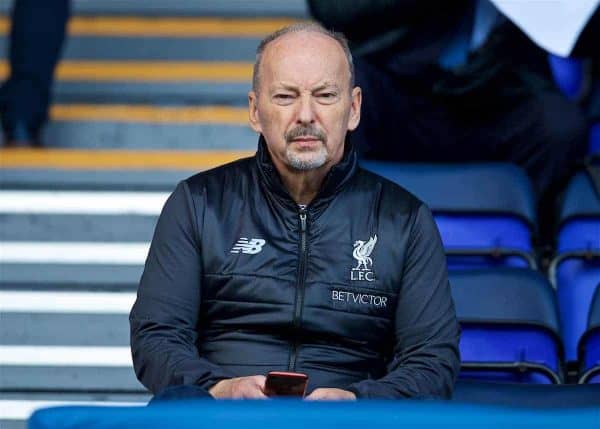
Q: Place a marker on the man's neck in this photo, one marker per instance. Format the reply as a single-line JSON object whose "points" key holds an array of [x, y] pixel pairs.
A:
{"points": [[303, 186]]}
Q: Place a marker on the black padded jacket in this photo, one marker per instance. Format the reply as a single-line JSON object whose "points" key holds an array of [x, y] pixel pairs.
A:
{"points": [[351, 290]]}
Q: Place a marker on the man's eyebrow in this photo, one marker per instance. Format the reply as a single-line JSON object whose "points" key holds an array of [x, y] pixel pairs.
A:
{"points": [[286, 87], [293, 88], [325, 85]]}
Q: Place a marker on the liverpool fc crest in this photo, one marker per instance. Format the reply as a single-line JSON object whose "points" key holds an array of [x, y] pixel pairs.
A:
{"points": [[362, 253]]}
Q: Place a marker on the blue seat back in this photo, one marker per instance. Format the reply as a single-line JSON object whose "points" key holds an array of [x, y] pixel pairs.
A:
{"points": [[485, 212], [576, 269], [577, 280]]}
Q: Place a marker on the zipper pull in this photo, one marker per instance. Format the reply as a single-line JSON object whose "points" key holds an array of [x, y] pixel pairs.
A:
{"points": [[303, 221]]}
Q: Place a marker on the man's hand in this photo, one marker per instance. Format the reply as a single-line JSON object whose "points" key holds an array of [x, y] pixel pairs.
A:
{"points": [[329, 394], [240, 388]]}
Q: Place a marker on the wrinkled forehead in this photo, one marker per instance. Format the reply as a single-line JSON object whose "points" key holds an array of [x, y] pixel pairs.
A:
{"points": [[305, 59]]}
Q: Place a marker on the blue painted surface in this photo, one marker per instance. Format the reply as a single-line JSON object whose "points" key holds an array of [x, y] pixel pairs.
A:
{"points": [[292, 414]]}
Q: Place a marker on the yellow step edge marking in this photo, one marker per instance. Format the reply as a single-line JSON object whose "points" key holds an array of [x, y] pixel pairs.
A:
{"points": [[150, 114], [149, 71], [128, 26], [75, 159]]}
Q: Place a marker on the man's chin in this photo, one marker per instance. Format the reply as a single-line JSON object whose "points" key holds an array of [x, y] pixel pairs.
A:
{"points": [[306, 163]]}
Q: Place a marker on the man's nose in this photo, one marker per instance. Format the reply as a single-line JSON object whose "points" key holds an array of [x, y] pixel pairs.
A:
{"points": [[306, 112]]}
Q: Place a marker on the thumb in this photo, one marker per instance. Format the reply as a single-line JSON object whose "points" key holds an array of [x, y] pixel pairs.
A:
{"points": [[260, 380]]}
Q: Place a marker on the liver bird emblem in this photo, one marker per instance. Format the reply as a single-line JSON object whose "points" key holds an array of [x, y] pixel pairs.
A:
{"points": [[362, 252]]}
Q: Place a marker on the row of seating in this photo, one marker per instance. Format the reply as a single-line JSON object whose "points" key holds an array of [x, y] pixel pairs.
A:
{"points": [[486, 216]]}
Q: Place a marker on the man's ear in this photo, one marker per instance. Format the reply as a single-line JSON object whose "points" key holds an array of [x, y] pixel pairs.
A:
{"points": [[253, 111], [354, 118]]}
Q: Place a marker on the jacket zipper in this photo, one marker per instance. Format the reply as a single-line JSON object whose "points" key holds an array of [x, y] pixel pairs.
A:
{"points": [[299, 302]]}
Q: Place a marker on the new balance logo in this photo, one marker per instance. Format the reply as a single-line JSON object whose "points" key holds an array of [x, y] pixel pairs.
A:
{"points": [[249, 247]]}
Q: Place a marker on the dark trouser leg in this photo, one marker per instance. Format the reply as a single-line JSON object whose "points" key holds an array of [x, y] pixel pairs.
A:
{"points": [[37, 34], [399, 124], [546, 135]]}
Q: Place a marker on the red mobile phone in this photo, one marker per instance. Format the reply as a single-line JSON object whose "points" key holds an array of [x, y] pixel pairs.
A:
{"points": [[281, 383]]}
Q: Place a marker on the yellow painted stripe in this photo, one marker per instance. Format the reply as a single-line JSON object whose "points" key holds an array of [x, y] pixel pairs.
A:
{"points": [[150, 114], [168, 27], [149, 71], [73, 159]]}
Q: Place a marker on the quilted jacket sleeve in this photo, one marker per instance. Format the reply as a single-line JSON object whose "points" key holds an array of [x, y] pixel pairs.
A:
{"points": [[426, 355], [164, 318]]}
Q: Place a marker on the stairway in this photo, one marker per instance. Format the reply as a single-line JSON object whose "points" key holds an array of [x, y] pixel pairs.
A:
{"points": [[145, 96]]}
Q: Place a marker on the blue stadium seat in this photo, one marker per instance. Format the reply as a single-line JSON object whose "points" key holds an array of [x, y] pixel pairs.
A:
{"points": [[589, 346], [485, 212], [576, 269], [510, 329]]}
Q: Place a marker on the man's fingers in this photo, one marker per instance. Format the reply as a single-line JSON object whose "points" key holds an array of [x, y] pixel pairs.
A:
{"points": [[251, 387], [255, 394], [316, 395], [260, 381], [252, 391]]}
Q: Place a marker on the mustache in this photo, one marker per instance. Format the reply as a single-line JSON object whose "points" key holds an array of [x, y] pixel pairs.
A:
{"points": [[305, 131]]}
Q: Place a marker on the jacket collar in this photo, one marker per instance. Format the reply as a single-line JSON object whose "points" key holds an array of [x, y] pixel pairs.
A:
{"points": [[339, 175]]}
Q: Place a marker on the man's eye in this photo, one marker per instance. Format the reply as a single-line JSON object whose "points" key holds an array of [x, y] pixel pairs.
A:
{"points": [[283, 96], [327, 95]]}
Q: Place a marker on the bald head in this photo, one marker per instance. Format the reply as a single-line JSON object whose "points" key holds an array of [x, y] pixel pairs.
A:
{"points": [[299, 29], [304, 100]]}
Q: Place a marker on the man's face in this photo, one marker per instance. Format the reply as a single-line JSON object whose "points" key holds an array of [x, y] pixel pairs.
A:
{"points": [[304, 105]]}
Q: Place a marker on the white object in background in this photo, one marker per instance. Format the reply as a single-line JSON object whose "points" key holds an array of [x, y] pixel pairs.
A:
{"points": [[52, 252], [66, 302], [555, 25], [79, 202], [67, 356]]}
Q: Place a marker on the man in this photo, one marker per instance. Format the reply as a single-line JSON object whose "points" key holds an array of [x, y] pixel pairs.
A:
{"points": [[37, 34], [297, 259], [455, 81]]}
